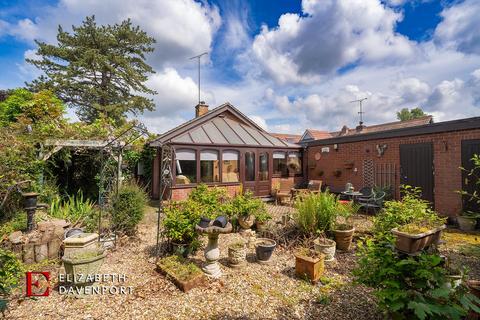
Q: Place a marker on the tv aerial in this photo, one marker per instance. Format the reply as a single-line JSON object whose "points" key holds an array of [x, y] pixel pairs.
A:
{"points": [[198, 57], [360, 108]]}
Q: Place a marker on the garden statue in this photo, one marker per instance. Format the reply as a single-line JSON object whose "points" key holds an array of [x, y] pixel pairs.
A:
{"points": [[212, 253]]}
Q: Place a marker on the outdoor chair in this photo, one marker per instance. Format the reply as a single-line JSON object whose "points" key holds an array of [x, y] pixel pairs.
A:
{"points": [[284, 191], [374, 203], [314, 186], [367, 193]]}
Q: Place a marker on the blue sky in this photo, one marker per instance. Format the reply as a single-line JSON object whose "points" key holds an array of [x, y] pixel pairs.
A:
{"points": [[290, 65]]}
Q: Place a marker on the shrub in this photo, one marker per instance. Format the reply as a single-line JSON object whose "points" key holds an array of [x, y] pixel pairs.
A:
{"points": [[180, 221], [75, 209], [412, 209], [11, 270], [411, 287], [128, 208], [316, 212], [17, 223]]}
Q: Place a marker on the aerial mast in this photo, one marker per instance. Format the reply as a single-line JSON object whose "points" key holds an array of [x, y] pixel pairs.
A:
{"points": [[360, 112], [198, 57]]}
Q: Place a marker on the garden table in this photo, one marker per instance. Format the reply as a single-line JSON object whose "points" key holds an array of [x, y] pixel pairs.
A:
{"points": [[352, 194]]}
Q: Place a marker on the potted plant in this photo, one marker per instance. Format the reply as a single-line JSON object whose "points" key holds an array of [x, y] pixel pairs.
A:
{"points": [[309, 263], [414, 237], [344, 231], [83, 263], [326, 247], [467, 220], [185, 275], [264, 248], [261, 218], [245, 206], [237, 254]]}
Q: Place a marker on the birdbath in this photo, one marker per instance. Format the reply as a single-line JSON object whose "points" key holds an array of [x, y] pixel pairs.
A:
{"points": [[212, 253]]}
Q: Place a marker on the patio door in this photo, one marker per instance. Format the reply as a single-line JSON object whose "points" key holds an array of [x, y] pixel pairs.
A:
{"points": [[250, 170], [469, 148], [416, 168], [264, 179]]}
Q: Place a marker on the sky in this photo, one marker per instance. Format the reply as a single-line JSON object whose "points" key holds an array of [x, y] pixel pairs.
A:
{"points": [[289, 65]]}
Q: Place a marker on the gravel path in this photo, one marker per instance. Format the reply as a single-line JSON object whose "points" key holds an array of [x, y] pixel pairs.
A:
{"points": [[253, 292]]}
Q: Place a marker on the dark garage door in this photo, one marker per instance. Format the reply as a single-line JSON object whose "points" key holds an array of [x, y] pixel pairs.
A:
{"points": [[416, 167], [469, 148]]}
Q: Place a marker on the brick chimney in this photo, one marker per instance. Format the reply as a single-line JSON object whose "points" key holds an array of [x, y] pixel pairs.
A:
{"points": [[201, 109]]}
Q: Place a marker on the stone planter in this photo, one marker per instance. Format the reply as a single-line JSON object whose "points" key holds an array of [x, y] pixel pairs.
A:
{"points": [[87, 263], [184, 285], [237, 255], [326, 247], [246, 222], [466, 223], [264, 248], [309, 264], [413, 243], [343, 238]]}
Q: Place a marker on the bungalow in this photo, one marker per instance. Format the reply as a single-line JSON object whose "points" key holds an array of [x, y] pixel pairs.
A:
{"points": [[223, 147]]}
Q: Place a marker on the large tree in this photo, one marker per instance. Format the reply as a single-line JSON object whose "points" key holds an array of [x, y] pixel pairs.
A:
{"points": [[99, 70], [406, 114]]}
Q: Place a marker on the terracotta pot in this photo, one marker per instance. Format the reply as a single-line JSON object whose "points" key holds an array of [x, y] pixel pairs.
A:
{"points": [[310, 267], [260, 225], [237, 256], [246, 222], [413, 243], [343, 238], [466, 223], [264, 248], [326, 247]]}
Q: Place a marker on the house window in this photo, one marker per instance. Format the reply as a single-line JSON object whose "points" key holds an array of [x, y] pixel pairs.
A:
{"points": [[186, 164], [294, 163], [230, 166], [280, 163], [250, 166], [263, 166], [209, 166]]}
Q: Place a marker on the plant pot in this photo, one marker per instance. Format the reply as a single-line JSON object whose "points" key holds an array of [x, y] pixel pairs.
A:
{"points": [[246, 222], [264, 249], [237, 256], [466, 223], [76, 266], [182, 249], [260, 225], [326, 247], [343, 238], [413, 243], [30, 200], [311, 267]]}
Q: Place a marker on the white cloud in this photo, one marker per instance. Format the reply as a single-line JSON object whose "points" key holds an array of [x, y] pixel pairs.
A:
{"points": [[328, 36], [459, 29], [182, 28], [259, 121]]}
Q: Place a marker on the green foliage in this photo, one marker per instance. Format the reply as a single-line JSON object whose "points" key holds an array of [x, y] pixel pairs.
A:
{"points": [[128, 208], [405, 114], [179, 267], [245, 204], [98, 69], [411, 287], [473, 175], [11, 270], [317, 212], [211, 201], [17, 223], [75, 209], [412, 209]]}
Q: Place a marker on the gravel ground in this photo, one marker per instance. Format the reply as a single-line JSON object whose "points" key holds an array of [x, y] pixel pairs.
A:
{"points": [[252, 292]]}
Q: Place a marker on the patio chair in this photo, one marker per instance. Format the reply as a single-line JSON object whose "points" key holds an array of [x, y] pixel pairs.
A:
{"points": [[284, 191], [367, 193], [374, 203], [314, 186]]}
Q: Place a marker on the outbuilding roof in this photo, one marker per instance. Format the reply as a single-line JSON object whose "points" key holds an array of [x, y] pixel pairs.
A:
{"points": [[224, 125]]}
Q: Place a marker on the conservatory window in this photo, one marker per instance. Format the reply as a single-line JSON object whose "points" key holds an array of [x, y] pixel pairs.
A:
{"points": [[186, 164], [294, 162], [230, 166], [209, 166], [249, 166], [280, 163]]}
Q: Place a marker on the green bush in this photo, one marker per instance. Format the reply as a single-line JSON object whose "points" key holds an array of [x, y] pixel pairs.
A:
{"points": [[128, 208], [17, 223], [317, 212], [410, 287], [180, 221], [11, 270], [411, 209], [75, 209]]}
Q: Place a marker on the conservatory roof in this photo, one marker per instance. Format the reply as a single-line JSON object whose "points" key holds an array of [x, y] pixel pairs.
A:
{"points": [[224, 125]]}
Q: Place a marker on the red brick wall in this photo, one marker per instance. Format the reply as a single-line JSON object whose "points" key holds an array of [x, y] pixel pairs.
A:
{"points": [[446, 158]]}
